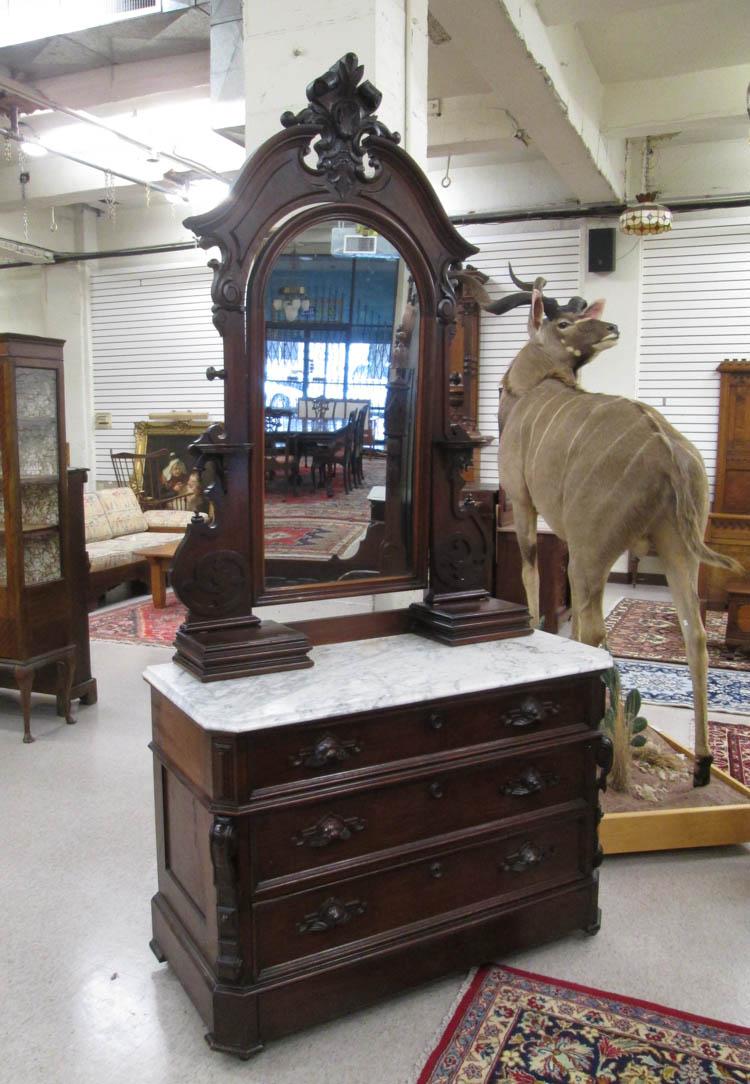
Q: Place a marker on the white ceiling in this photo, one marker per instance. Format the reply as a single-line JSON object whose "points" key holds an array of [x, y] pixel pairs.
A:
{"points": [[657, 67], [669, 39]]}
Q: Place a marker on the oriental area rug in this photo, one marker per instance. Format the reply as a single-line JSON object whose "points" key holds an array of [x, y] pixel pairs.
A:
{"points": [[640, 629], [283, 501], [668, 683], [512, 1027]]}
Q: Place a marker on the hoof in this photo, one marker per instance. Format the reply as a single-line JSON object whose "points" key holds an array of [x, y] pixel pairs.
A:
{"points": [[702, 771]]}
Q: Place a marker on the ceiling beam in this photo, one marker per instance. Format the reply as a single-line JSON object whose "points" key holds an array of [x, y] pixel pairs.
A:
{"points": [[558, 106], [675, 103]]}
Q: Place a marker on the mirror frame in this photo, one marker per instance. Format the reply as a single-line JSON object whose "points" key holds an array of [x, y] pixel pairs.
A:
{"points": [[362, 175], [256, 295]]}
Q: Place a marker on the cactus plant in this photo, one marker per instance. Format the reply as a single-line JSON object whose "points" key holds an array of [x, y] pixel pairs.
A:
{"points": [[624, 725]]}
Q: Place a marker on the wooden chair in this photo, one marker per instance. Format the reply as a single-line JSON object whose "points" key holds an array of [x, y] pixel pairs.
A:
{"points": [[327, 455], [141, 471], [358, 449], [278, 455]]}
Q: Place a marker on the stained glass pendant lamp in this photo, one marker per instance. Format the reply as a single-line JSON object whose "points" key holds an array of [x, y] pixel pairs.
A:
{"points": [[646, 216]]}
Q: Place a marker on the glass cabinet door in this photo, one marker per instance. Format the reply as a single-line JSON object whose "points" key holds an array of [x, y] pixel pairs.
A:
{"points": [[39, 473]]}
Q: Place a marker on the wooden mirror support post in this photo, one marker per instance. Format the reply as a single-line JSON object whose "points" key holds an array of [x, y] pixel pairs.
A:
{"points": [[332, 160]]}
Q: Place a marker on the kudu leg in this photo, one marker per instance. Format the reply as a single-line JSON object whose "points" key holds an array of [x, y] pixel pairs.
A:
{"points": [[525, 523], [682, 576], [587, 602]]}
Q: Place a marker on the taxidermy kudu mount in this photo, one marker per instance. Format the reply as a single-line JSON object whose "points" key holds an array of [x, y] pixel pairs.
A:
{"points": [[606, 473]]}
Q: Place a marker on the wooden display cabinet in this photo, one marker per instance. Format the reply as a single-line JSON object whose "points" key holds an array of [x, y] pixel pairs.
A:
{"points": [[728, 529], [554, 589], [38, 570]]}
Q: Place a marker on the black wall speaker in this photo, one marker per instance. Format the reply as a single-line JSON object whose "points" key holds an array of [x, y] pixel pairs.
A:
{"points": [[602, 249]]}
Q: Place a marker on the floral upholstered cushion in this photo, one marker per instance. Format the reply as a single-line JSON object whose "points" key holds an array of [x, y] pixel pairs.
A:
{"points": [[123, 511], [95, 519], [124, 550], [174, 519]]}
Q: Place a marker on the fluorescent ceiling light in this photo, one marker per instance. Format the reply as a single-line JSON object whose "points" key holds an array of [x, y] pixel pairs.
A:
{"points": [[33, 150], [204, 195]]}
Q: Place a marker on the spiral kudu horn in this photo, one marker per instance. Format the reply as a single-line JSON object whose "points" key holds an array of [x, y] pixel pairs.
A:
{"points": [[552, 307]]}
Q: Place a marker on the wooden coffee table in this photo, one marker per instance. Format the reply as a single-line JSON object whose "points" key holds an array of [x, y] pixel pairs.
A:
{"points": [[159, 561]]}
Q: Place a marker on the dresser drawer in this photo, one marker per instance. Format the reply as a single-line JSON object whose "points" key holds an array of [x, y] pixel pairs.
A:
{"points": [[300, 754], [312, 835], [542, 855]]}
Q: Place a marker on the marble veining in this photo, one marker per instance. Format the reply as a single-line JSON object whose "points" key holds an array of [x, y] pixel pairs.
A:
{"points": [[363, 675]]}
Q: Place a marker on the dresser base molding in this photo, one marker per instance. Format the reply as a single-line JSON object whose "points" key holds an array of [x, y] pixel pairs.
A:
{"points": [[241, 1018]]}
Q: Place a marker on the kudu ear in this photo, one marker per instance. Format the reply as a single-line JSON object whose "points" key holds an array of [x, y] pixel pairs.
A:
{"points": [[536, 312], [595, 311]]}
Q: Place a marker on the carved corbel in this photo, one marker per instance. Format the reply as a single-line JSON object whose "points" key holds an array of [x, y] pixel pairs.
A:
{"points": [[223, 841]]}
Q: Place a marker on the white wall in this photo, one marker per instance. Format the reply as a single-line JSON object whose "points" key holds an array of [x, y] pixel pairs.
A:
{"points": [[52, 301]]}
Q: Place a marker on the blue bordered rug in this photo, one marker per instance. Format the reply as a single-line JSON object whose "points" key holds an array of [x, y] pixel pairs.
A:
{"points": [[669, 683]]}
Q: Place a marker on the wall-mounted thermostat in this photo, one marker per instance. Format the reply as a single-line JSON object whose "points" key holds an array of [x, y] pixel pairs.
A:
{"points": [[102, 419]]}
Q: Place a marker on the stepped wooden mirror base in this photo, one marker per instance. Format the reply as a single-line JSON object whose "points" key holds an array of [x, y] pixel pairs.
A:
{"points": [[470, 621], [265, 647]]}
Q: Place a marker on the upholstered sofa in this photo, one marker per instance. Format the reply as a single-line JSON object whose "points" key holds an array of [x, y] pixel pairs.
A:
{"points": [[115, 528]]}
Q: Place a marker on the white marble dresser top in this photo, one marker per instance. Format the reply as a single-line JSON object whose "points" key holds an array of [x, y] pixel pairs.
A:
{"points": [[363, 675]]}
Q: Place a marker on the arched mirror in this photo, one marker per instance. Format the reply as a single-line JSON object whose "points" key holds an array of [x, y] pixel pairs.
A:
{"points": [[341, 398], [339, 469]]}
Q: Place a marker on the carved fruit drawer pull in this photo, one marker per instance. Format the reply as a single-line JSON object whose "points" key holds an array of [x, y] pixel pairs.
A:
{"points": [[530, 781], [328, 830], [526, 857], [326, 751], [529, 712], [331, 913]]}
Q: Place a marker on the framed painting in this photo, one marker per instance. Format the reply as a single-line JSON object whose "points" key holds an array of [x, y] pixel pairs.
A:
{"points": [[170, 479]]}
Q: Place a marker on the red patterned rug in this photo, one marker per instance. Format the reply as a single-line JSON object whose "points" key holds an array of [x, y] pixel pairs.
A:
{"points": [[312, 539], [730, 745], [639, 629], [517, 1028], [305, 500], [139, 623]]}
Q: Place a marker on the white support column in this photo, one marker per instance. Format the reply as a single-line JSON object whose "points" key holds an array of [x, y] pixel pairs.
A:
{"points": [[287, 46]]}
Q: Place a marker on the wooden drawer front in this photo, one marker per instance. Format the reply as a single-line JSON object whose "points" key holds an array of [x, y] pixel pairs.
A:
{"points": [[316, 751], [334, 830], [345, 911]]}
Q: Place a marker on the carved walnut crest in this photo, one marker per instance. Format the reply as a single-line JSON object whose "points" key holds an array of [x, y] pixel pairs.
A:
{"points": [[342, 109]]}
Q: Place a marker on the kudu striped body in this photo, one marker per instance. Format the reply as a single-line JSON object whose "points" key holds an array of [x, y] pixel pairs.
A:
{"points": [[608, 474]]}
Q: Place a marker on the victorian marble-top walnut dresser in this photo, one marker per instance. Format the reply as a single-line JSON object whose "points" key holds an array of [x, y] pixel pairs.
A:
{"points": [[401, 810]]}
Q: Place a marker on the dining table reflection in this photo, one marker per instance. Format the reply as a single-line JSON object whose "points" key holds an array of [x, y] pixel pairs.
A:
{"points": [[323, 444]]}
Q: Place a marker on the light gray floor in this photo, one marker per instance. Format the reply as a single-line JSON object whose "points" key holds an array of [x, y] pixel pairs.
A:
{"points": [[84, 1001]]}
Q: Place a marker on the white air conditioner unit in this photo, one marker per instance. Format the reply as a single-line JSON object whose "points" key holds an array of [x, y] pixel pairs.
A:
{"points": [[346, 241]]}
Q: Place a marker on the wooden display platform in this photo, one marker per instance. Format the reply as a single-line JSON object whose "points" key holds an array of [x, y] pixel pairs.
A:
{"points": [[719, 815]]}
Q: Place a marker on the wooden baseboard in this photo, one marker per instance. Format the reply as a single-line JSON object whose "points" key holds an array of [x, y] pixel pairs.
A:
{"points": [[656, 578]]}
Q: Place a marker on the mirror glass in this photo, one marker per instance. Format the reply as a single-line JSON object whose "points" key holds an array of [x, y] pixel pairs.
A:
{"points": [[341, 382]]}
